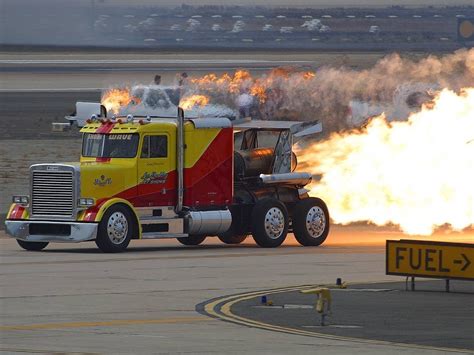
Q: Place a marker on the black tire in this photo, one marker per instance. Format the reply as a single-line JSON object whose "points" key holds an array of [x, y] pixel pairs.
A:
{"points": [[32, 246], [307, 233], [237, 231], [262, 227], [192, 240], [232, 239], [109, 239]]}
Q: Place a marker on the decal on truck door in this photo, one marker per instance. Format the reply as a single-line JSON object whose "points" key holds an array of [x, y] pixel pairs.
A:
{"points": [[154, 178]]}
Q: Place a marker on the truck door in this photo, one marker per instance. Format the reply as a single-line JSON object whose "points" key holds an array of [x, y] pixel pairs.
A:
{"points": [[156, 171]]}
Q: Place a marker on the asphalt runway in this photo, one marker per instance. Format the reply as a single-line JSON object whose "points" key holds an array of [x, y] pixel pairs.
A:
{"points": [[374, 312], [28, 115], [71, 298], [42, 71], [66, 73]]}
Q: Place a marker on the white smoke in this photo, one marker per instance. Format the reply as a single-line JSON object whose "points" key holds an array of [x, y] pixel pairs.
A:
{"points": [[157, 100], [342, 98], [390, 84]]}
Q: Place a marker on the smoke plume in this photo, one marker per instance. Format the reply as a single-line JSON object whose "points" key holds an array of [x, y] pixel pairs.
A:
{"points": [[341, 97], [393, 85]]}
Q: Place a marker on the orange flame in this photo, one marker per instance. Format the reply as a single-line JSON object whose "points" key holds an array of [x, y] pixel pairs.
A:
{"points": [[194, 100], [309, 75], [114, 99], [418, 174], [283, 72], [206, 79], [242, 81], [233, 83], [237, 82], [259, 91]]}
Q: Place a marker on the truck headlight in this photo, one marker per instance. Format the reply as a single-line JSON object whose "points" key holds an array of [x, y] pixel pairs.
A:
{"points": [[21, 200], [86, 202]]}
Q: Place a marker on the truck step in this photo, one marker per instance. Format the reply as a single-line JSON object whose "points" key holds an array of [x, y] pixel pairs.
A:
{"points": [[160, 225], [156, 212], [163, 235], [154, 220]]}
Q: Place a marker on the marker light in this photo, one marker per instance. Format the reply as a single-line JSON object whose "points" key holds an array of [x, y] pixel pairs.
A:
{"points": [[129, 118], [144, 121], [86, 202], [21, 200]]}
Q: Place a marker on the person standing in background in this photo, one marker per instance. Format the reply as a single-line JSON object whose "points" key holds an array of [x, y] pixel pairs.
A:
{"points": [[157, 79]]}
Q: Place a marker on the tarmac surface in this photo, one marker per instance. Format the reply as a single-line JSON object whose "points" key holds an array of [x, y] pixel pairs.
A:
{"points": [[28, 115], [70, 298], [374, 312], [65, 71]]}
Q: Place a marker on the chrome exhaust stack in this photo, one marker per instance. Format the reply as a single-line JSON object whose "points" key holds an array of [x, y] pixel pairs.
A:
{"points": [[298, 179], [180, 159]]}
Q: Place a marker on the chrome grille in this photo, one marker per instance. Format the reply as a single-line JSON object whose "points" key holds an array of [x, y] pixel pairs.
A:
{"points": [[52, 193]]}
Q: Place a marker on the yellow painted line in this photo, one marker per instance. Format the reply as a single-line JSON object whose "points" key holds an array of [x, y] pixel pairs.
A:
{"points": [[109, 323], [229, 316], [209, 308]]}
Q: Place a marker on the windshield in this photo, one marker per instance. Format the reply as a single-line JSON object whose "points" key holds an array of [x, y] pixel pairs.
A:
{"points": [[110, 145]]}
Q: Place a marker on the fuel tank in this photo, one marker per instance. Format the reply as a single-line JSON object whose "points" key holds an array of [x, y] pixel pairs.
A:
{"points": [[208, 222]]}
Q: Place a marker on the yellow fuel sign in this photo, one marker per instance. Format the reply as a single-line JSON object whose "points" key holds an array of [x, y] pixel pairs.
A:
{"points": [[430, 259]]}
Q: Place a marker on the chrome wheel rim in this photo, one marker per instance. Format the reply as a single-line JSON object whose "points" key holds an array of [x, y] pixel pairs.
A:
{"points": [[315, 221], [117, 227], [274, 222]]}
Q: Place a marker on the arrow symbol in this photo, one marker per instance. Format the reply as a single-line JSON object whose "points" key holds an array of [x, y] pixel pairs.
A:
{"points": [[467, 261]]}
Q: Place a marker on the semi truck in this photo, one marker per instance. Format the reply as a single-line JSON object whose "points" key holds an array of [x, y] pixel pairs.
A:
{"points": [[173, 177]]}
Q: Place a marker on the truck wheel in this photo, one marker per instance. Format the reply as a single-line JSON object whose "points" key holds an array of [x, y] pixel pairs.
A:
{"points": [[192, 240], [269, 223], [238, 230], [311, 221], [115, 230], [33, 246], [232, 239]]}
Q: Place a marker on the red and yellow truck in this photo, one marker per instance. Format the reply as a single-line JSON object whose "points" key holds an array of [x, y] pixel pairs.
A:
{"points": [[154, 177]]}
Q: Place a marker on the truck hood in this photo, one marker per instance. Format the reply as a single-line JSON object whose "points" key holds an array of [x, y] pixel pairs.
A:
{"points": [[101, 180]]}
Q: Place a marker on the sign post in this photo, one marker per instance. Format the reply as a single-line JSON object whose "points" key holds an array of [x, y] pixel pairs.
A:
{"points": [[430, 259]]}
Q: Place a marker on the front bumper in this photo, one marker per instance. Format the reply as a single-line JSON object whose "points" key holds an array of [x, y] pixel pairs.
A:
{"points": [[47, 231]]}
